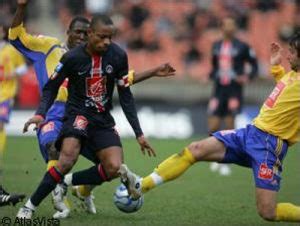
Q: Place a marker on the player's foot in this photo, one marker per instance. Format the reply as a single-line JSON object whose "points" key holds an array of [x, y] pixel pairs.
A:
{"points": [[25, 213], [60, 202], [131, 181], [89, 204], [9, 199], [225, 170]]}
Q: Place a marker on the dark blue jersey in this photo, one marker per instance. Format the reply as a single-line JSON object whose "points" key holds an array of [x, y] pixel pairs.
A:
{"points": [[92, 80]]}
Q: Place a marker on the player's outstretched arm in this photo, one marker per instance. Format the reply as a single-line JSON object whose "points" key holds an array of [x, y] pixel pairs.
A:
{"points": [[276, 56], [164, 70], [20, 13], [275, 60]]}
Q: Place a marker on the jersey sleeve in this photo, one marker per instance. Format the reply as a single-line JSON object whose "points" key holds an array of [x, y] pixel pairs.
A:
{"points": [[277, 71], [126, 97], [51, 88], [31, 46], [122, 73]]}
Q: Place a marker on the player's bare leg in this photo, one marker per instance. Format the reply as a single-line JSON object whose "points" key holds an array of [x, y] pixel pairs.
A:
{"points": [[269, 210], [68, 156], [111, 159]]}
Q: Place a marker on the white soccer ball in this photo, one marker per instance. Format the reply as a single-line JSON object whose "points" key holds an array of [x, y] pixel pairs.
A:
{"points": [[124, 202]]}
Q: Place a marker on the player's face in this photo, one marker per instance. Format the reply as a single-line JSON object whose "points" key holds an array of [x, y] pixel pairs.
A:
{"points": [[78, 34], [293, 59], [99, 37], [228, 27]]}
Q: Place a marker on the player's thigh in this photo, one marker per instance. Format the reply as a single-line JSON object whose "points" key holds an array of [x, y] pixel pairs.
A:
{"points": [[266, 203], [209, 149], [107, 145]]}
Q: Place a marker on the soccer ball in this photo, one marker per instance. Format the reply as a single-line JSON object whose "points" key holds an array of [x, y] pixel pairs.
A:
{"points": [[124, 202]]}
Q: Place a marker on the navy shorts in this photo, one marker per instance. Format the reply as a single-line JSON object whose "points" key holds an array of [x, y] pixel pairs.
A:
{"points": [[93, 138], [252, 147]]}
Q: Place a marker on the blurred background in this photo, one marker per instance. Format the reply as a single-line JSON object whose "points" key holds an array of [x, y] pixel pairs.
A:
{"points": [[157, 31]]}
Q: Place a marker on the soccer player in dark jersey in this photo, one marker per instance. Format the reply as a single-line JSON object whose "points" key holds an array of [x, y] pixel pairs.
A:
{"points": [[93, 70], [45, 53], [229, 58]]}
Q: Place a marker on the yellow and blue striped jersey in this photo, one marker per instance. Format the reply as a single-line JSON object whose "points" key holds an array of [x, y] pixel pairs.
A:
{"points": [[280, 114], [12, 63], [43, 51]]}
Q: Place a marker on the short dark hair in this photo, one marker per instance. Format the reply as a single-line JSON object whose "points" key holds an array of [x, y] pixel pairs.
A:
{"points": [[104, 19], [78, 19], [294, 42]]}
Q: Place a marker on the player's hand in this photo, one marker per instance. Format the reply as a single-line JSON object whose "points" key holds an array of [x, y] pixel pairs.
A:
{"points": [[22, 2], [242, 79], [145, 146], [276, 56], [37, 120], [164, 70]]}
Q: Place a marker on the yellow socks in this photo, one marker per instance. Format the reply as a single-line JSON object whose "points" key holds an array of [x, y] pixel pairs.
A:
{"points": [[287, 212], [2, 141], [169, 169], [84, 190], [51, 163]]}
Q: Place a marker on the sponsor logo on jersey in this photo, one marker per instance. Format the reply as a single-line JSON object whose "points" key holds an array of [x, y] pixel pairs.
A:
{"points": [[274, 95]]}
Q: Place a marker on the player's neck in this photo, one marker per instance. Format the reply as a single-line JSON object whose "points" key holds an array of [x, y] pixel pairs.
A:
{"points": [[89, 49]]}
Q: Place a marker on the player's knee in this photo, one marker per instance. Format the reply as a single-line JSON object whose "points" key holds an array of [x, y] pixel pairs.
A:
{"points": [[112, 169], [266, 212], [66, 162], [197, 149]]}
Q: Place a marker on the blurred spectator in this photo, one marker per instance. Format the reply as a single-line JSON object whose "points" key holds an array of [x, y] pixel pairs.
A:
{"points": [[268, 5], [138, 14], [193, 55]]}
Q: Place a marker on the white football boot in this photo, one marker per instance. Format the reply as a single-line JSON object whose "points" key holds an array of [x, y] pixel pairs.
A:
{"points": [[59, 202], [25, 213], [131, 181]]}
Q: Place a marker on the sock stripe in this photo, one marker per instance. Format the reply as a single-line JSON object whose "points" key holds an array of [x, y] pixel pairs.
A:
{"points": [[55, 174], [102, 173]]}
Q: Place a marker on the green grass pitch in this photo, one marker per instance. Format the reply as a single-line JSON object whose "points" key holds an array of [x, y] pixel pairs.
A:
{"points": [[199, 197]]}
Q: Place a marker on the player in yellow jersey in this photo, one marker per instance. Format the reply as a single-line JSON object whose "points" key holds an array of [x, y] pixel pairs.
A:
{"points": [[261, 146], [12, 65], [45, 53]]}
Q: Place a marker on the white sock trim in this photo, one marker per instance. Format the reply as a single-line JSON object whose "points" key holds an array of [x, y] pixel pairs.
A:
{"points": [[68, 179], [156, 178], [30, 205]]}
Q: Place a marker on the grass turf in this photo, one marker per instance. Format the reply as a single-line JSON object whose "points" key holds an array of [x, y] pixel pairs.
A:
{"points": [[199, 197]]}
